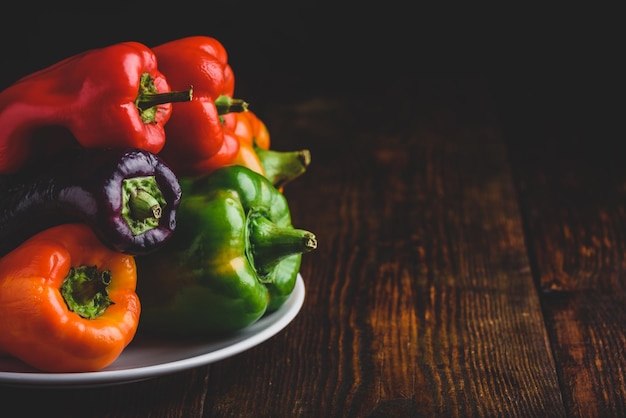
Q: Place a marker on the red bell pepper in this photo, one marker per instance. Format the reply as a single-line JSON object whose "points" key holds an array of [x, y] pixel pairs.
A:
{"points": [[108, 97], [199, 137]]}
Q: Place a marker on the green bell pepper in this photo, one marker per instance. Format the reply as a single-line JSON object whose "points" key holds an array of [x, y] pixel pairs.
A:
{"points": [[233, 257]]}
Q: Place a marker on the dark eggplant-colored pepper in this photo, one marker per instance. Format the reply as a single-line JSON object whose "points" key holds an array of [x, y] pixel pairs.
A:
{"points": [[128, 196]]}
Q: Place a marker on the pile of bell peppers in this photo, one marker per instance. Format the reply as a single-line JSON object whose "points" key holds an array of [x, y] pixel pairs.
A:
{"points": [[138, 195]]}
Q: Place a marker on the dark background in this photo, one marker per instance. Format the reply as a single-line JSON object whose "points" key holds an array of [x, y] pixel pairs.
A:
{"points": [[562, 64]]}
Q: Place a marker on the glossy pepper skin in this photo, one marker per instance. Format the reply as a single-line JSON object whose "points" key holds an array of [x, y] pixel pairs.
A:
{"points": [[234, 256], [280, 167], [67, 303], [198, 137], [128, 196], [113, 96]]}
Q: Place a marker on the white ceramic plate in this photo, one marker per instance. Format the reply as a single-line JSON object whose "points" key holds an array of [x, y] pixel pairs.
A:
{"points": [[146, 358]]}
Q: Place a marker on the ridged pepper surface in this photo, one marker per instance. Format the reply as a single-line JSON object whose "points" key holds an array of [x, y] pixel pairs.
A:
{"points": [[198, 137], [234, 256], [113, 96], [67, 302]]}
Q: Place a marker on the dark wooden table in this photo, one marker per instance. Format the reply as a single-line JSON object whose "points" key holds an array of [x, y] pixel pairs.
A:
{"points": [[471, 261]]}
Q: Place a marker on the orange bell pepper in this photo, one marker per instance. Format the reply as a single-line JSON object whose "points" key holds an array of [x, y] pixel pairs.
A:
{"points": [[67, 302], [280, 167], [247, 127]]}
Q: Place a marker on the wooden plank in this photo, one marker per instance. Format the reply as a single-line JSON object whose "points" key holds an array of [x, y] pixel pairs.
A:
{"points": [[177, 395], [420, 299], [571, 179]]}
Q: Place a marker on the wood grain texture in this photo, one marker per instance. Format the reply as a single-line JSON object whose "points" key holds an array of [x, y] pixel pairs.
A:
{"points": [[571, 180], [420, 296], [441, 233]]}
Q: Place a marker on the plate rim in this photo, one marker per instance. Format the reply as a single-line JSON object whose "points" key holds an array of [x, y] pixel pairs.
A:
{"points": [[267, 326]]}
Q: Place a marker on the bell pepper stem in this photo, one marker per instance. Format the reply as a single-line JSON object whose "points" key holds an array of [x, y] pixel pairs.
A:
{"points": [[282, 167], [143, 203], [227, 104], [148, 98], [270, 243], [84, 290]]}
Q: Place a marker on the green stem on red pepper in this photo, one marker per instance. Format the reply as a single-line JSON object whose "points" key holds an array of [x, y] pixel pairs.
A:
{"points": [[198, 140], [226, 104], [149, 98], [120, 82]]}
